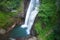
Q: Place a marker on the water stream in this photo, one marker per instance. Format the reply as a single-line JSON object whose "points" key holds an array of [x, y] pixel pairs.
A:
{"points": [[32, 11]]}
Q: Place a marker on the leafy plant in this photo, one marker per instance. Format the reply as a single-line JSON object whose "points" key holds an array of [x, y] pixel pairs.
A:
{"points": [[7, 18], [46, 19], [8, 5]]}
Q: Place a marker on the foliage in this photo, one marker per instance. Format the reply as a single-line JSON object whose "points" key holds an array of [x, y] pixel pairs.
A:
{"points": [[57, 27], [57, 32], [8, 5], [7, 18], [46, 19]]}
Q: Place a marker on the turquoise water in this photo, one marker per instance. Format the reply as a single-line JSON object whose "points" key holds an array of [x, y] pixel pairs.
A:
{"points": [[18, 32]]}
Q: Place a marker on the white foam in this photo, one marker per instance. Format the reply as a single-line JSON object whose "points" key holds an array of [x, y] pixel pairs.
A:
{"points": [[31, 15]]}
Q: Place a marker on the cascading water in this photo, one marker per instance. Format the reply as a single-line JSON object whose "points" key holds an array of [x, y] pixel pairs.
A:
{"points": [[30, 15], [24, 30]]}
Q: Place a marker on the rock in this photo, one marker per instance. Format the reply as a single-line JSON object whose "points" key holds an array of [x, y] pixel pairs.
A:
{"points": [[3, 37], [14, 11], [32, 38], [2, 31]]}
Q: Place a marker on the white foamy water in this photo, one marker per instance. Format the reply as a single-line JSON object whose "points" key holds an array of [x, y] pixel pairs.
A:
{"points": [[32, 11]]}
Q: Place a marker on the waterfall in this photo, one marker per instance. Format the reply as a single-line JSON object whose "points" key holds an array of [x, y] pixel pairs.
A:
{"points": [[32, 11]]}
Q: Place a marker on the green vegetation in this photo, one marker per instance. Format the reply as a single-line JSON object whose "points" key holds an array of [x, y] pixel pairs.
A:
{"points": [[57, 27], [6, 19], [46, 19], [8, 5], [6, 16], [47, 22]]}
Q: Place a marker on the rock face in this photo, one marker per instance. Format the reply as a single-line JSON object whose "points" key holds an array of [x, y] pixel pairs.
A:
{"points": [[26, 4], [2, 36]]}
